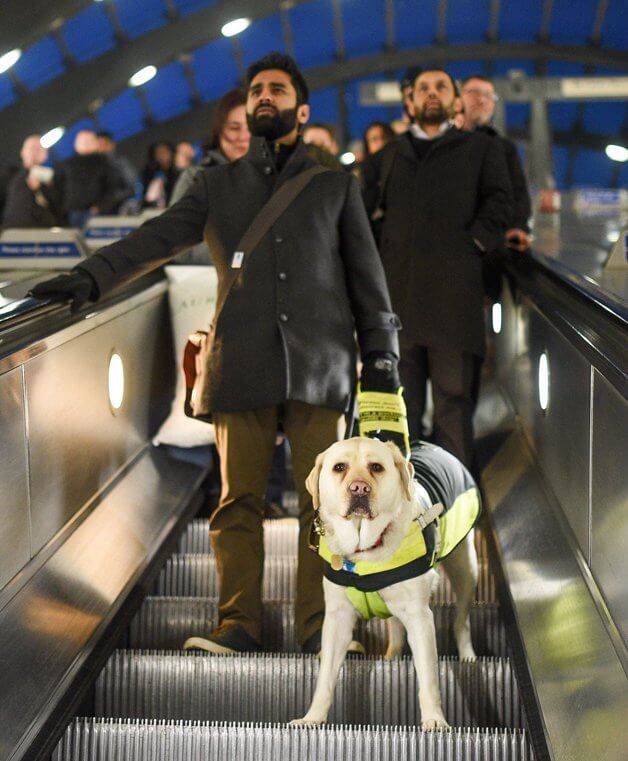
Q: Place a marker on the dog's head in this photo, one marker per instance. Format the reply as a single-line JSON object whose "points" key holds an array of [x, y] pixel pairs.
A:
{"points": [[361, 487]]}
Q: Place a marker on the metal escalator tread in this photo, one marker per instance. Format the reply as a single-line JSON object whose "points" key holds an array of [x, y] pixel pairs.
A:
{"points": [[132, 740], [195, 576], [165, 622], [279, 687], [280, 538]]}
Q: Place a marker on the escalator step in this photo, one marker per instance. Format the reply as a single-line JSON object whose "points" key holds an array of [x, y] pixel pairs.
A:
{"points": [[195, 576], [278, 688], [280, 538], [130, 740], [166, 622]]}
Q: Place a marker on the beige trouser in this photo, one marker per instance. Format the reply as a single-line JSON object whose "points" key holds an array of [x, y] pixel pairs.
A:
{"points": [[246, 443]]}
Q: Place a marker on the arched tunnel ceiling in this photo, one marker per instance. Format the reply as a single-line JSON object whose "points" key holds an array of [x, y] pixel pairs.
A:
{"points": [[80, 54]]}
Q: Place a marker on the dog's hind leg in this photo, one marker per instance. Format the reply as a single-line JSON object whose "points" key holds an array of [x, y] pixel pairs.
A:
{"points": [[396, 638], [340, 617], [462, 569]]}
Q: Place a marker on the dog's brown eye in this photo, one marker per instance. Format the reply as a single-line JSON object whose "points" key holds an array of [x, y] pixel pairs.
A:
{"points": [[339, 467], [376, 467]]}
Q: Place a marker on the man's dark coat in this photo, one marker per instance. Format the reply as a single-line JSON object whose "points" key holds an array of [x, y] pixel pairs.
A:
{"points": [[287, 328], [433, 210]]}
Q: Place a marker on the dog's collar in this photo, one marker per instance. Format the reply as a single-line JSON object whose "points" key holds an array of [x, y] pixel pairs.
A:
{"points": [[378, 543]]}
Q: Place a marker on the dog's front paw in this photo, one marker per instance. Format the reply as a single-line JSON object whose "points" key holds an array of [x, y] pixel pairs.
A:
{"points": [[307, 721], [434, 721]]}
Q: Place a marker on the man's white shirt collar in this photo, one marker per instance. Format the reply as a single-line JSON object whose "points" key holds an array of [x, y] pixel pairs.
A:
{"points": [[422, 134]]}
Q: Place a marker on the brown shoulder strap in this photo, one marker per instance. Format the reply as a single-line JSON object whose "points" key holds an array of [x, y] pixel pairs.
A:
{"points": [[265, 218]]}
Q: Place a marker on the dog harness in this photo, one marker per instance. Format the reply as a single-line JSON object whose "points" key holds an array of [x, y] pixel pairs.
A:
{"points": [[433, 535]]}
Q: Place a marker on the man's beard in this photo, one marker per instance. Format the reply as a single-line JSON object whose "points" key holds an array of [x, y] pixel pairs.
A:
{"points": [[274, 126], [431, 113]]}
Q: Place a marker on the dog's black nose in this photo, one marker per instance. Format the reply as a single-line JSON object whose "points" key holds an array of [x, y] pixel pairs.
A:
{"points": [[359, 488]]}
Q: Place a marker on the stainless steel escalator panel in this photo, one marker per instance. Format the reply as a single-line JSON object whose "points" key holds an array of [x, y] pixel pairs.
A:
{"points": [[195, 576], [164, 623], [114, 740], [280, 538], [278, 688]]}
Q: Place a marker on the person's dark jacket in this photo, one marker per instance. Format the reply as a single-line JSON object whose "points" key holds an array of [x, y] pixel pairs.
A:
{"points": [[25, 208], [287, 329], [521, 204], [90, 180], [169, 177], [433, 210]]}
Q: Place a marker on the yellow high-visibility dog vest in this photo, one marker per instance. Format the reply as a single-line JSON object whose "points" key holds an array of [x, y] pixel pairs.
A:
{"points": [[446, 481]]}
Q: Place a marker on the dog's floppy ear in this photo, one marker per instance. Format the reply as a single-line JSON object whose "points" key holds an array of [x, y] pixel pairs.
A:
{"points": [[311, 482], [405, 469]]}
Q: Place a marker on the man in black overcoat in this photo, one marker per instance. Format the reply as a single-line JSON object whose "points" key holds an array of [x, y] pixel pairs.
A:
{"points": [[440, 200], [284, 349], [478, 97]]}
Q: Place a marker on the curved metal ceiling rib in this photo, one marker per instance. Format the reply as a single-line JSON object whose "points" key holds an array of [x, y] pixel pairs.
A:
{"points": [[68, 98], [194, 122], [30, 21]]}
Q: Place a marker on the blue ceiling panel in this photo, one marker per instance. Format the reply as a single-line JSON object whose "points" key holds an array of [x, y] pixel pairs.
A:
{"points": [[137, 18], [361, 116], [517, 115], [563, 115], [467, 20], [89, 33], [7, 96], [415, 22], [122, 116], [572, 21], [520, 20], [215, 70], [461, 69], [189, 6], [262, 37], [313, 49], [605, 117], [39, 64], [65, 147], [168, 93], [592, 169], [614, 27], [623, 175], [324, 106], [361, 37], [560, 157], [564, 69]]}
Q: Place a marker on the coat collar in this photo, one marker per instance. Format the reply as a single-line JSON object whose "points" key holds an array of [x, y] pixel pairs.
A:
{"points": [[450, 136], [260, 156]]}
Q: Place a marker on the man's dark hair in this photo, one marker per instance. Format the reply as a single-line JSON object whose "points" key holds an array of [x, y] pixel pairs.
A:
{"points": [[285, 63], [466, 80], [434, 68], [105, 134], [222, 109]]}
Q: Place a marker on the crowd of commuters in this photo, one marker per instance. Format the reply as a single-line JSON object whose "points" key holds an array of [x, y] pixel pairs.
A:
{"points": [[441, 194]]}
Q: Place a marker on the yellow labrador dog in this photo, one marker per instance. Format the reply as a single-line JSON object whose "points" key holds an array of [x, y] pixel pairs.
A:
{"points": [[384, 523]]}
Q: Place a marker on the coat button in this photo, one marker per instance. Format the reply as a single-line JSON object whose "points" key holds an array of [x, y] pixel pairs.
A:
{"points": [[283, 317], [278, 239], [282, 276], [267, 170]]}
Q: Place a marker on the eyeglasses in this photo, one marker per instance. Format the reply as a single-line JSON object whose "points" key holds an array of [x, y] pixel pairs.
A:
{"points": [[482, 94]]}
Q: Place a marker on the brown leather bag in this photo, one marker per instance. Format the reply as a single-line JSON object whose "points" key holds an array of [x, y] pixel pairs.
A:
{"points": [[198, 346]]}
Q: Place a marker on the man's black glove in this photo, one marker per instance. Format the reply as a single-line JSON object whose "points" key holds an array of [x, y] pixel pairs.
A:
{"points": [[381, 408], [78, 286]]}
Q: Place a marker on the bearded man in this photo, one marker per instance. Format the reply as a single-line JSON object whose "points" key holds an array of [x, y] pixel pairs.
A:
{"points": [[441, 200], [284, 350]]}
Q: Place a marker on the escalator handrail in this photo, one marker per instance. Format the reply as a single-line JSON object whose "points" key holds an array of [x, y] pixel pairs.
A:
{"points": [[23, 310]]}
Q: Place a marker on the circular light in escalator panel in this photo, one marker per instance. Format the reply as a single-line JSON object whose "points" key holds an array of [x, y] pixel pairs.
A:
{"points": [[496, 318], [116, 381], [544, 381]]}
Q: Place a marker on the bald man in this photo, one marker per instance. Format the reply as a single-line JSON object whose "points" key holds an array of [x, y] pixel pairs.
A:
{"points": [[89, 181], [32, 197]]}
